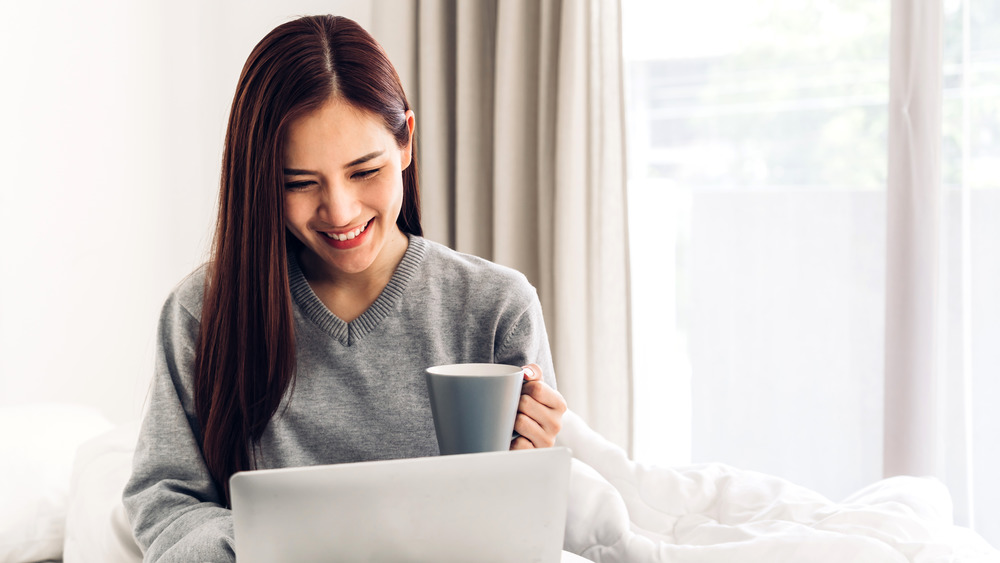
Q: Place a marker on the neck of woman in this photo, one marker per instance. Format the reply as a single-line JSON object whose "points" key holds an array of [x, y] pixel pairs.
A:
{"points": [[348, 295]]}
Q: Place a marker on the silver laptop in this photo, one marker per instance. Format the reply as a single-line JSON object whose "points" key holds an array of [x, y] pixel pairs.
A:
{"points": [[497, 506]]}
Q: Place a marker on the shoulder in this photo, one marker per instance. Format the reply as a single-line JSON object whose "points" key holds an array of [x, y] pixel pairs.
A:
{"points": [[186, 297], [451, 263], [460, 270], [180, 317]]}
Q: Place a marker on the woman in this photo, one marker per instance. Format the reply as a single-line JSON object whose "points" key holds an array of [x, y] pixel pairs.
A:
{"points": [[303, 341]]}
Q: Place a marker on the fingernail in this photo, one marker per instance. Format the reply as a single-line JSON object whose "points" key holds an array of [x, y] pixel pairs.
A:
{"points": [[529, 373]]}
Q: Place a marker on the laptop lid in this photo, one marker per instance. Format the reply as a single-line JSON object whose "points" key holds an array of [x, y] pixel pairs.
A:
{"points": [[496, 506]]}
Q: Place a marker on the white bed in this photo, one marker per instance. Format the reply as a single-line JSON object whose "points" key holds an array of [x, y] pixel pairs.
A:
{"points": [[63, 468]]}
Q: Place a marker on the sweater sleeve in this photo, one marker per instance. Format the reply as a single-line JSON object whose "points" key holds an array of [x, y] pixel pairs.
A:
{"points": [[176, 512], [526, 341]]}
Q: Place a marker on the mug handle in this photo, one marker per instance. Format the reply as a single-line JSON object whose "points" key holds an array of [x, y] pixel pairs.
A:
{"points": [[515, 434]]}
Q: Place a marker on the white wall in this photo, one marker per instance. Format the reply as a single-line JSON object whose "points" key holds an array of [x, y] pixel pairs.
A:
{"points": [[112, 115]]}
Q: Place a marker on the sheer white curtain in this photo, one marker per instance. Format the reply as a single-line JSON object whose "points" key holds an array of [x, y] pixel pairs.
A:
{"points": [[942, 270], [914, 194], [520, 133], [817, 185]]}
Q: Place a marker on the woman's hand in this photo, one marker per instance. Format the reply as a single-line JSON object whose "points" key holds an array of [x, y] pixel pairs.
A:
{"points": [[539, 413]]}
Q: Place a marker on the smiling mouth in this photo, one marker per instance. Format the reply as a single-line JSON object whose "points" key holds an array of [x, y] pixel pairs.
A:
{"points": [[350, 234]]}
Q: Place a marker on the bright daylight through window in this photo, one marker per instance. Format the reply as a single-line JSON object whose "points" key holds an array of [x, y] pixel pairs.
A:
{"points": [[757, 148]]}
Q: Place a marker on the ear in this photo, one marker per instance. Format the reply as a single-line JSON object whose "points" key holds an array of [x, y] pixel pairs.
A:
{"points": [[406, 152]]}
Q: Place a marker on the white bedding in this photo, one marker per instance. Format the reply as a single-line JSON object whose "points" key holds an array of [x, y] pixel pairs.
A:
{"points": [[618, 511], [37, 445], [623, 511]]}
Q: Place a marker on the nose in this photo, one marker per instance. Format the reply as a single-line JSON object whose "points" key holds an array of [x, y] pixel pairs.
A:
{"points": [[339, 205]]}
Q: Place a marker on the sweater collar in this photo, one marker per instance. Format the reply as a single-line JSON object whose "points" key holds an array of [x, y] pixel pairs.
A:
{"points": [[349, 333]]}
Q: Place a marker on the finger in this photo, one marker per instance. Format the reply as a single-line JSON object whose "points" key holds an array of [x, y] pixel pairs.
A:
{"points": [[532, 372], [550, 420], [541, 392], [529, 429], [521, 443]]}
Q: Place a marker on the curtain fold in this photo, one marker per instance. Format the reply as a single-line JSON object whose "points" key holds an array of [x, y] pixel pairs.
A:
{"points": [[928, 408], [912, 346], [520, 136]]}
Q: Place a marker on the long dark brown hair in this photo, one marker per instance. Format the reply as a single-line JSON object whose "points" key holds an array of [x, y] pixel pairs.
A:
{"points": [[245, 357]]}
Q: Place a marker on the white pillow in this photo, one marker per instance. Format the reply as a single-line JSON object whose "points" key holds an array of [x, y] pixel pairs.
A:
{"points": [[97, 530], [36, 458]]}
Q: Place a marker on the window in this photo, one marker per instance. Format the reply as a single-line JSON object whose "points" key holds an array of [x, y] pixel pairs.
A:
{"points": [[757, 135]]}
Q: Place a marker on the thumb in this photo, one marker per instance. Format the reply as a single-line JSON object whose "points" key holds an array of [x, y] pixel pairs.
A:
{"points": [[532, 372]]}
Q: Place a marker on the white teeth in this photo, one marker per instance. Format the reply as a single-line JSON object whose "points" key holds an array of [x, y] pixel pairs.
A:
{"points": [[348, 236]]}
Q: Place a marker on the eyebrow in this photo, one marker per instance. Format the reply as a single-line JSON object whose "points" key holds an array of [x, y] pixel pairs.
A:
{"points": [[355, 162]]}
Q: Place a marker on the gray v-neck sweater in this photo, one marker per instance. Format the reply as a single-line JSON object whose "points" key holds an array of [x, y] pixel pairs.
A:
{"points": [[359, 393]]}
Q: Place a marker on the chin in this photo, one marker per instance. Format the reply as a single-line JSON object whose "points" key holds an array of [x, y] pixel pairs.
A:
{"points": [[354, 261]]}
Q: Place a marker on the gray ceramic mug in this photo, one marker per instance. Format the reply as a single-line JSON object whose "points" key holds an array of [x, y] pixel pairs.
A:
{"points": [[474, 406]]}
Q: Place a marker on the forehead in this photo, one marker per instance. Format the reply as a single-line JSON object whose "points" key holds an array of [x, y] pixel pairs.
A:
{"points": [[335, 133]]}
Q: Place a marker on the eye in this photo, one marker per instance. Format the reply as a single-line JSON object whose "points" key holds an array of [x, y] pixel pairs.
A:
{"points": [[365, 174], [298, 186]]}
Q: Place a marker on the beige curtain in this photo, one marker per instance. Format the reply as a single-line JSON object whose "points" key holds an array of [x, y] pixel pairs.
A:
{"points": [[520, 138]]}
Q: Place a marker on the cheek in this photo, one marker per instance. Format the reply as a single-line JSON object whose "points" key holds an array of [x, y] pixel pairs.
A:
{"points": [[295, 215], [390, 194]]}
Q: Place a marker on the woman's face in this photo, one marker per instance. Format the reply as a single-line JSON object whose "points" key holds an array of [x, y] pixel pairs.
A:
{"points": [[344, 186]]}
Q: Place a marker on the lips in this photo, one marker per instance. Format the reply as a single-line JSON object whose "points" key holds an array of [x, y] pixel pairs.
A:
{"points": [[349, 234], [347, 239]]}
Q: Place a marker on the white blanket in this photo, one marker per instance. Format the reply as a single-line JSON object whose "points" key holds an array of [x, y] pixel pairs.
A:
{"points": [[624, 511]]}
